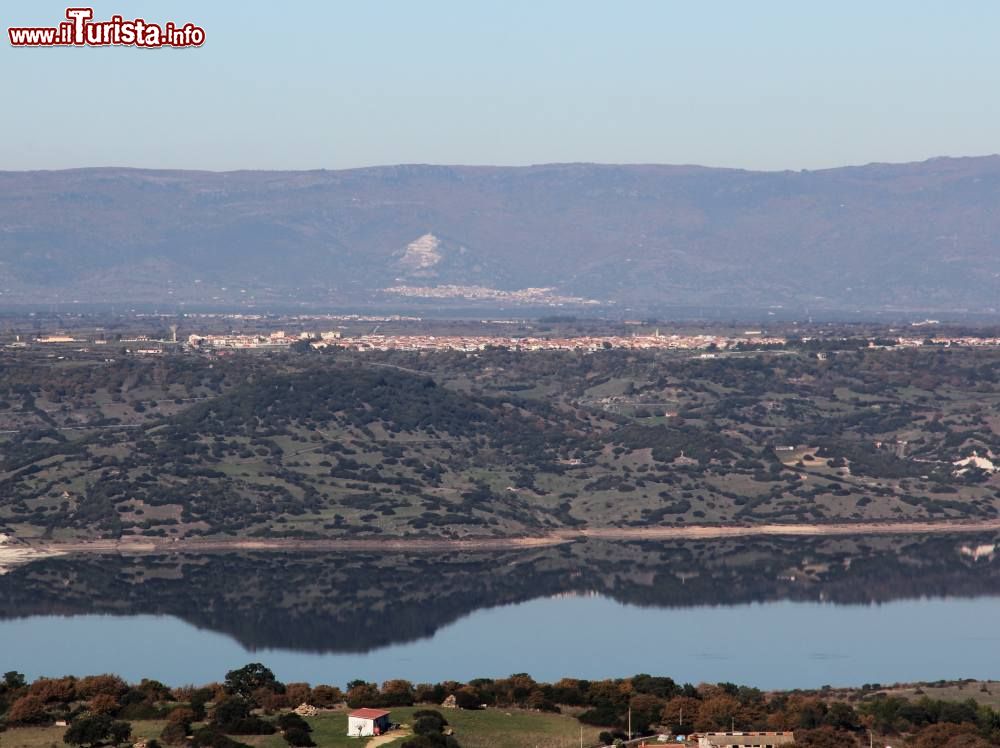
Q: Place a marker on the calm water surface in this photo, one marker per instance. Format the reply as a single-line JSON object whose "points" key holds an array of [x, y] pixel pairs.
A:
{"points": [[772, 613], [772, 645]]}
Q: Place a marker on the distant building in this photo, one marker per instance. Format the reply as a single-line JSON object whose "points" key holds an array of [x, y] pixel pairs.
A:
{"points": [[364, 723], [745, 739], [55, 339]]}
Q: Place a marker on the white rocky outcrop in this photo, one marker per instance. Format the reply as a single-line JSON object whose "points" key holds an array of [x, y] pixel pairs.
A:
{"points": [[422, 253]]}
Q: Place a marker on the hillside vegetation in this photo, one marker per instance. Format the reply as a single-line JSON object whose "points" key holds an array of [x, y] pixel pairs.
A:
{"points": [[496, 443]]}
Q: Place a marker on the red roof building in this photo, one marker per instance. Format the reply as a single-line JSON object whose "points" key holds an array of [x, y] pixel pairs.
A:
{"points": [[363, 723]]}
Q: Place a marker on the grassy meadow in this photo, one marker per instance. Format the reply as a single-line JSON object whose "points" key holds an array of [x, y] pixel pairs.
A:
{"points": [[489, 728]]}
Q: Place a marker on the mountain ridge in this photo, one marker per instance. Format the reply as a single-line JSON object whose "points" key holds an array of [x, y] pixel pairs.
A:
{"points": [[916, 235]]}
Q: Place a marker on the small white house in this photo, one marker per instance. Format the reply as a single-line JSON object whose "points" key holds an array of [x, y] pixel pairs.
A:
{"points": [[364, 723]]}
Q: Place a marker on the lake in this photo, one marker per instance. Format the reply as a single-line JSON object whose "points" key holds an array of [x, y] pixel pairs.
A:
{"points": [[772, 614]]}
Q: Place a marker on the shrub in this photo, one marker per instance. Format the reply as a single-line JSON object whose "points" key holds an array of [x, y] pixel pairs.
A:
{"points": [[292, 720], [210, 737], [466, 700], [174, 733], [298, 737]]}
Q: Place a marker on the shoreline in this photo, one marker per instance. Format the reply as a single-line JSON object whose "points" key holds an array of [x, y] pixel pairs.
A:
{"points": [[23, 551], [833, 529]]}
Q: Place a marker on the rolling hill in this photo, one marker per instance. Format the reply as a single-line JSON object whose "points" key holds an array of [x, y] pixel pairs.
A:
{"points": [[492, 445]]}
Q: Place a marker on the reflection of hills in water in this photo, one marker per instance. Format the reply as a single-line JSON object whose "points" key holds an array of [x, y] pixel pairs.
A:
{"points": [[360, 601]]}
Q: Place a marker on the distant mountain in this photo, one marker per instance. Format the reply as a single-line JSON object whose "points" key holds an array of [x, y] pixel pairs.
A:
{"points": [[917, 236]]}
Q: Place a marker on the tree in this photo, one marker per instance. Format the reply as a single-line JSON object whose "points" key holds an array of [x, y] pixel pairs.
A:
{"points": [[249, 678], [842, 716], [119, 732], [646, 711], [13, 681], [298, 693], [680, 713], [660, 686], [539, 700], [94, 685], [27, 710], [568, 691], [54, 689], [233, 716], [231, 710], [153, 690], [96, 730], [397, 693], [467, 699], [104, 703], [361, 694], [199, 698], [326, 696], [717, 713]]}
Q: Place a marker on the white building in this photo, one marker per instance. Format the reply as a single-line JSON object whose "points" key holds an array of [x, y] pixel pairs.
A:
{"points": [[745, 739], [363, 723]]}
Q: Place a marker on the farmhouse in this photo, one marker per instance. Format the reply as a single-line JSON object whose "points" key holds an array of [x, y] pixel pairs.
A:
{"points": [[363, 723]]}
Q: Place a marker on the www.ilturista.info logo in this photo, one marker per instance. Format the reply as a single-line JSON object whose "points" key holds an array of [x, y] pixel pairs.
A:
{"points": [[80, 30]]}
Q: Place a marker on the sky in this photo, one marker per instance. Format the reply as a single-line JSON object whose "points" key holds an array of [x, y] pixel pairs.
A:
{"points": [[768, 84]]}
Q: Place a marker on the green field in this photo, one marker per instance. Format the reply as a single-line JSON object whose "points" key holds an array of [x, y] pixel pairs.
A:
{"points": [[489, 728], [45, 737]]}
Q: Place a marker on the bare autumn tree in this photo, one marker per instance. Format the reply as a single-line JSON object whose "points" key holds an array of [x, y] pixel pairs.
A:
{"points": [[54, 689], [104, 703], [326, 696], [681, 712], [93, 685], [27, 710]]}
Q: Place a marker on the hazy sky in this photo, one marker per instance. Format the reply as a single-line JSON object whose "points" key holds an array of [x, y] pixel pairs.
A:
{"points": [[754, 84]]}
